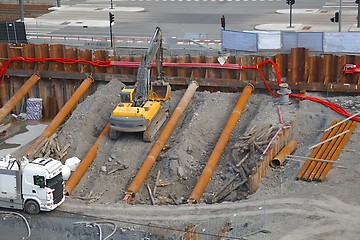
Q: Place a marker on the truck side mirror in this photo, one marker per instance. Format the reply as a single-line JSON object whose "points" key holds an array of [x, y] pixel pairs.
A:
{"points": [[42, 185]]}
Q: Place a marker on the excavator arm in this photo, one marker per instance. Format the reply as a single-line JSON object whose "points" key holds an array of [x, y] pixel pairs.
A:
{"points": [[143, 88]]}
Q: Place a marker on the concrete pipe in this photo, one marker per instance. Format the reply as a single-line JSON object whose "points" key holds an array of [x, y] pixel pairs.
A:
{"points": [[160, 143], [220, 145], [65, 110], [6, 109], [85, 163], [281, 156]]}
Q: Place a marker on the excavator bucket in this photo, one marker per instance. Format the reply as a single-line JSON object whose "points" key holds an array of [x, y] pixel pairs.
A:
{"points": [[160, 92]]}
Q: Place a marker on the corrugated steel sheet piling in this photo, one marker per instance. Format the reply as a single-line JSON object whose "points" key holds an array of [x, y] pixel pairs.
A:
{"points": [[65, 110], [160, 143], [220, 145], [85, 163], [6, 109]]}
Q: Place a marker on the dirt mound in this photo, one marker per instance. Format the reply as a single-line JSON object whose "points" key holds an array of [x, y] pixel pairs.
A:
{"points": [[184, 156]]}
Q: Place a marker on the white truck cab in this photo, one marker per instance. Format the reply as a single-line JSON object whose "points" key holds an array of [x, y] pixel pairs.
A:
{"points": [[34, 187]]}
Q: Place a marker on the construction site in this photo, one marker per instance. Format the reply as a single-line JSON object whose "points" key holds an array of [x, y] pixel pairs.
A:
{"points": [[199, 145]]}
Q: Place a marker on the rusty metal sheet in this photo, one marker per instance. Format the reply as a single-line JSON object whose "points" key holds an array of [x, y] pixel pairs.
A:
{"points": [[15, 51], [212, 73], [198, 72], [28, 52], [84, 55], [227, 73], [184, 72], [3, 52], [42, 51], [100, 55], [56, 51], [71, 53]]}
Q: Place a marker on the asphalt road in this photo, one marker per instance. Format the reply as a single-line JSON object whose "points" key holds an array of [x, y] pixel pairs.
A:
{"points": [[198, 19]]}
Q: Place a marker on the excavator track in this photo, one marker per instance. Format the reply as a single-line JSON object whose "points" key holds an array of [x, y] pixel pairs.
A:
{"points": [[159, 119], [114, 135]]}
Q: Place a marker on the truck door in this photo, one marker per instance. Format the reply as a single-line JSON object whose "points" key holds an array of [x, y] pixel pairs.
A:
{"points": [[34, 187]]}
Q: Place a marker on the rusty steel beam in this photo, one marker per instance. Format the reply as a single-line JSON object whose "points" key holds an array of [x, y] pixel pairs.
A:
{"points": [[313, 154], [65, 110], [329, 150], [220, 146], [160, 143], [6, 109], [320, 154], [337, 152], [85, 163]]}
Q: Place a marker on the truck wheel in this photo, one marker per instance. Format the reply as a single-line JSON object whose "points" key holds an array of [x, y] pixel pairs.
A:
{"points": [[32, 207]]}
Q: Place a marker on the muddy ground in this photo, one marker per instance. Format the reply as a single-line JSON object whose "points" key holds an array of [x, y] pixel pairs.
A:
{"points": [[283, 208]]}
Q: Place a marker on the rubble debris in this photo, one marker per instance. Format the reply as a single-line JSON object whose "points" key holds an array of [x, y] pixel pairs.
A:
{"points": [[190, 232], [156, 182], [121, 167], [151, 194], [49, 147], [225, 230]]}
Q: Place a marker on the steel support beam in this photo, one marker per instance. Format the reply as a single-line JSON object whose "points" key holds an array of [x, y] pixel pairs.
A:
{"points": [[220, 146]]}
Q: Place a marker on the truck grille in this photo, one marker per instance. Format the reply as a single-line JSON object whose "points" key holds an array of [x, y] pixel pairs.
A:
{"points": [[58, 192]]}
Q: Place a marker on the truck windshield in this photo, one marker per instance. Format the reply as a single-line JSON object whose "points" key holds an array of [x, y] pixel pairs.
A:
{"points": [[52, 182]]}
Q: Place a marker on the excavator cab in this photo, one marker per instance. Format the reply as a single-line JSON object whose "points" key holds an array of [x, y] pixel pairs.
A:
{"points": [[126, 94]]}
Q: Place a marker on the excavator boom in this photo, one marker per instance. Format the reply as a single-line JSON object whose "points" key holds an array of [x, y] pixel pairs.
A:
{"points": [[144, 85]]}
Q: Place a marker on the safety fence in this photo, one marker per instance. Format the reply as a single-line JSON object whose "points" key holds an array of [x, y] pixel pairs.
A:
{"points": [[258, 41]]}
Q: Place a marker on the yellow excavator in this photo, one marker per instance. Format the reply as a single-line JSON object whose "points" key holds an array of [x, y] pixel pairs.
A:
{"points": [[141, 107]]}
